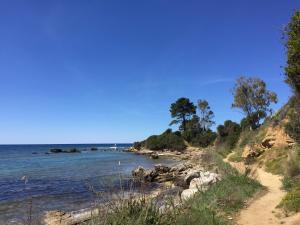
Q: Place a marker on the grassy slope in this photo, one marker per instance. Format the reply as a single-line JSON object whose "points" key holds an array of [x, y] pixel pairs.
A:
{"points": [[279, 161]]}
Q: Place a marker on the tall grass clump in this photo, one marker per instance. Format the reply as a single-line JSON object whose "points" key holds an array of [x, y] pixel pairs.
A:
{"points": [[224, 199], [291, 182]]}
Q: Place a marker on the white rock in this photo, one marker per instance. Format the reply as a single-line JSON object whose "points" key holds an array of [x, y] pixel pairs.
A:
{"points": [[204, 180], [188, 193], [191, 175]]}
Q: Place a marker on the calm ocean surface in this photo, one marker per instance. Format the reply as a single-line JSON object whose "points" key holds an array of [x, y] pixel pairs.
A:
{"points": [[59, 181]]}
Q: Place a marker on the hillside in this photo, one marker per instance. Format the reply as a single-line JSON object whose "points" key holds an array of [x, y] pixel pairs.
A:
{"points": [[272, 157]]}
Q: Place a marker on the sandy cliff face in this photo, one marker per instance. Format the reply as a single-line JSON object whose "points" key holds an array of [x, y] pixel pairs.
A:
{"points": [[275, 137]]}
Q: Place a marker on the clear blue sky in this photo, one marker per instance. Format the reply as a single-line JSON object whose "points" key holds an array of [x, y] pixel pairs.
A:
{"points": [[107, 71]]}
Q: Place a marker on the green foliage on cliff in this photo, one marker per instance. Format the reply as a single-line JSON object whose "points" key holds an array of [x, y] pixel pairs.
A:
{"points": [[204, 139], [292, 69], [167, 140], [293, 126]]}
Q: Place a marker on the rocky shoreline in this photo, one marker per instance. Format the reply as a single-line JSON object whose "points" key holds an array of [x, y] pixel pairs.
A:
{"points": [[181, 181]]}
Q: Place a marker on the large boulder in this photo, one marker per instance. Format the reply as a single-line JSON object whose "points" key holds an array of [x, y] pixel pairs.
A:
{"points": [[141, 174], [161, 169], [160, 174], [154, 156], [201, 183], [138, 172], [150, 175], [205, 180], [188, 193], [181, 167], [195, 173]]}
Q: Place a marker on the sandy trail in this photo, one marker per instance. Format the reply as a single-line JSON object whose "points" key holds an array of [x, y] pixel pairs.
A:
{"points": [[262, 211]]}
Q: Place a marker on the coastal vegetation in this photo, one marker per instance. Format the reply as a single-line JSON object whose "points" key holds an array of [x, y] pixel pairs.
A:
{"points": [[292, 70], [261, 140], [218, 205], [166, 140]]}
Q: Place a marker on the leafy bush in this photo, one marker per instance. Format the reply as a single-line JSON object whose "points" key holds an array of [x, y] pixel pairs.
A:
{"points": [[291, 182], [293, 164], [204, 139], [228, 134], [293, 126], [137, 145], [292, 36], [167, 140]]}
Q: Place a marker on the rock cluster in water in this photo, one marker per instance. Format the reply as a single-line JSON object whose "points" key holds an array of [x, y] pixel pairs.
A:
{"points": [[58, 150]]}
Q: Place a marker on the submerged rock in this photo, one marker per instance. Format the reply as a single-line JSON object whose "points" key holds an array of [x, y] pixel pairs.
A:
{"points": [[154, 156], [73, 150], [63, 218], [56, 150]]}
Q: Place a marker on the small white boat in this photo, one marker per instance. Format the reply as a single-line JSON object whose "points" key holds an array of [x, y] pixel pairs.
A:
{"points": [[114, 147]]}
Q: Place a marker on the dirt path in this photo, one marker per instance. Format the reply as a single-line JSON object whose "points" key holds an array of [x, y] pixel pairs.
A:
{"points": [[262, 211]]}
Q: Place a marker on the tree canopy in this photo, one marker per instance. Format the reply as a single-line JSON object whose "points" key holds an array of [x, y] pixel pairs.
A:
{"points": [[292, 69], [292, 72], [228, 134], [206, 115], [253, 98], [182, 110]]}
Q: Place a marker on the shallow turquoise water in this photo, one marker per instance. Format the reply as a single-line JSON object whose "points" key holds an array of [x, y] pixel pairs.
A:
{"points": [[59, 181]]}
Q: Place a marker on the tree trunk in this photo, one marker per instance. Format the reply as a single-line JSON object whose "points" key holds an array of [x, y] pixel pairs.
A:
{"points": [[184, 123]]}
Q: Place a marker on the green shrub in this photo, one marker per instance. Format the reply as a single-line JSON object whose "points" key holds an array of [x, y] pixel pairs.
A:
{"points": [[293, 126], [204, 139], [166, 140], [228, 134], [132, 212], [291, 182], [293, 164], [275, 166], [137, 145], [236, 157], [291, 202], [226, 197], [288, 183]]}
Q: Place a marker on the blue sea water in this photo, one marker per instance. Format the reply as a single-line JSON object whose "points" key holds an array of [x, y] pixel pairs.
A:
{"points": [[31, 179]]}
